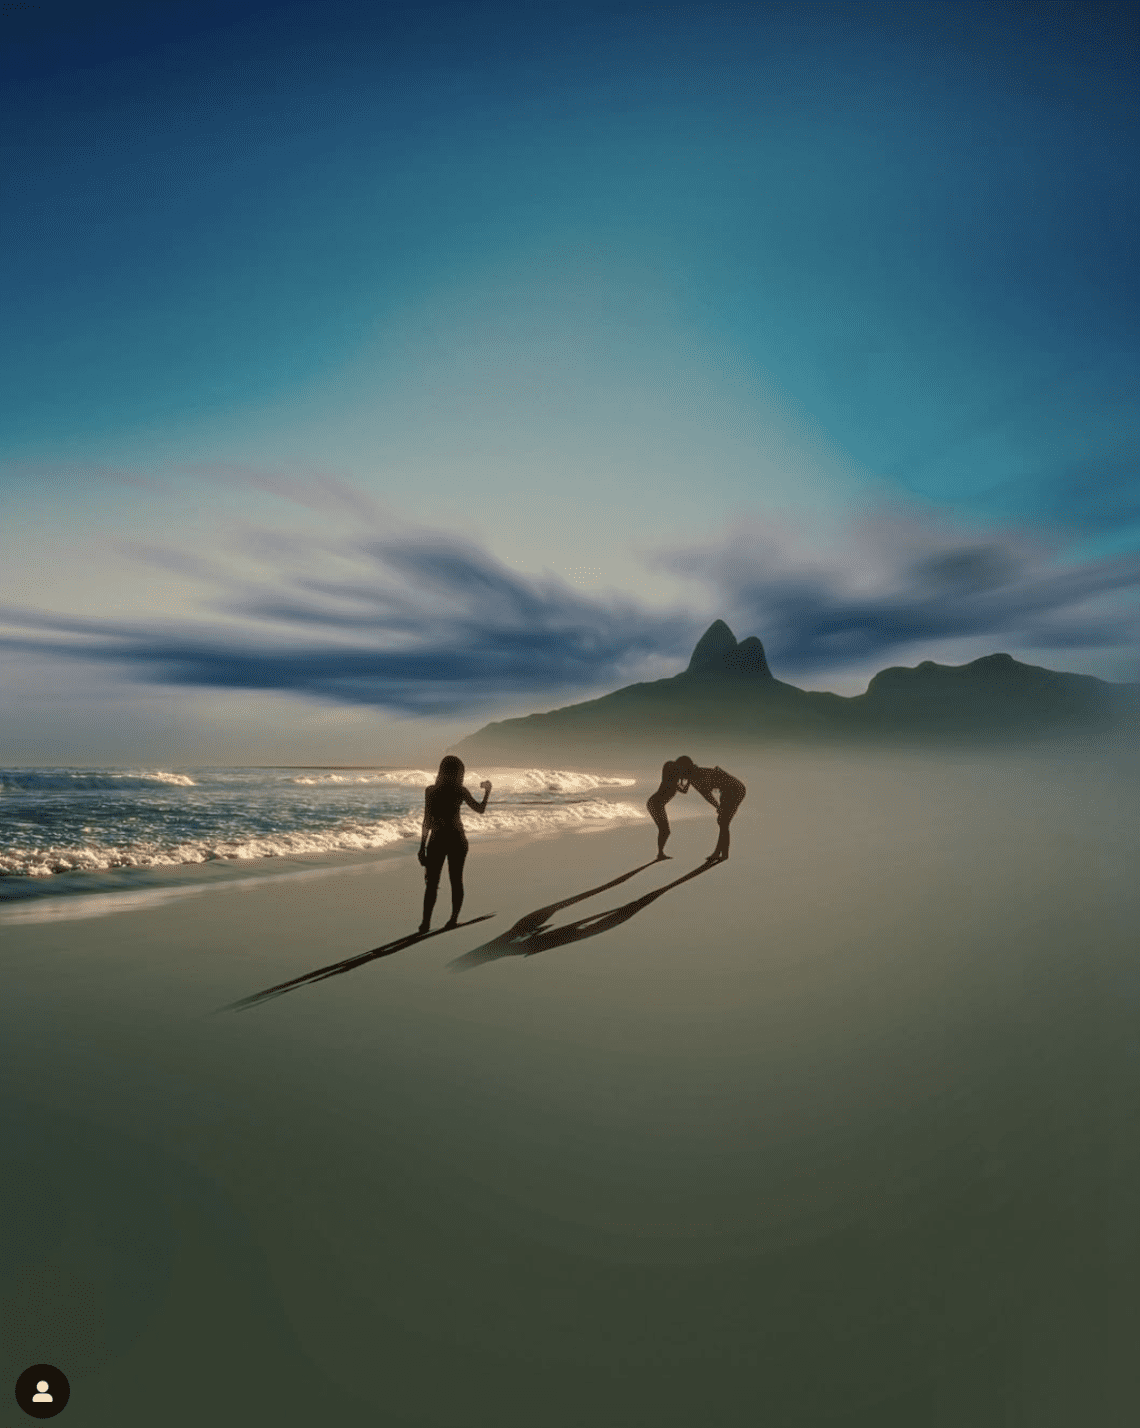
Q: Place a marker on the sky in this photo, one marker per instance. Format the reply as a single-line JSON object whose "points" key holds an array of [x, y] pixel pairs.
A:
{"points": [[371, 371]]}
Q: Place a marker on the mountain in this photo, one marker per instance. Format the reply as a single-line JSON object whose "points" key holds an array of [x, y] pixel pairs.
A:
{"points": [[717, 652], [728, 692], [994, 695]]}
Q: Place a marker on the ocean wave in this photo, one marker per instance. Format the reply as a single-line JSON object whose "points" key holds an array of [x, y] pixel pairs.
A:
{"points": [[88, 858], [399, 778], [509, 780], [41, 862], [505, 780], [554, 818], [69, 780]]}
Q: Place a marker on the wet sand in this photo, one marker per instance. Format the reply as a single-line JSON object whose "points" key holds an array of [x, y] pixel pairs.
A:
{"points": [[841, 1131]]}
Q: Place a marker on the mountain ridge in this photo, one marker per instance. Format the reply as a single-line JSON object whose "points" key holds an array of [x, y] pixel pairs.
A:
{"points": [[727, 690]]}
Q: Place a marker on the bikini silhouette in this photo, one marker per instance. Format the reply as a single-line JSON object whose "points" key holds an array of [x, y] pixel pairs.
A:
{"points": [[671, 783], [707, 782], [447, 842]]}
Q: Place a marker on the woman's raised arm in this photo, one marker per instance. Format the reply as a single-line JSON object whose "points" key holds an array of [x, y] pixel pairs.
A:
{"points": [[479, 807]]}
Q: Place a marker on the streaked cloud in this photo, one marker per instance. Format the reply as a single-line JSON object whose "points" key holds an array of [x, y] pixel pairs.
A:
{"points": [[904, 585], [430, 625], [315, 491], [422, 622]]}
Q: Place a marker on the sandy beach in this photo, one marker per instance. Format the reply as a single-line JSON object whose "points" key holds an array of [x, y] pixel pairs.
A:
{"points": [[841, 1131]]}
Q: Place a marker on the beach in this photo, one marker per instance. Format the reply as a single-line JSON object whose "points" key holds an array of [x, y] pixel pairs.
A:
{"points": [[839, 1131]]}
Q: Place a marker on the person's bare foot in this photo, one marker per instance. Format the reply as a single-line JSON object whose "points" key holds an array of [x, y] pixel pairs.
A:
{"points": [[451, 923], [662, 857], [424, 927]]}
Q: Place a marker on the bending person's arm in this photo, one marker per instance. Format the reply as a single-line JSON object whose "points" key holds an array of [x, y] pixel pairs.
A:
{"points": [[705, 792]]}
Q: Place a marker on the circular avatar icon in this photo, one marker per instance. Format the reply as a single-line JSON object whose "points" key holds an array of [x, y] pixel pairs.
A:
{"points": [[42, 1391]]}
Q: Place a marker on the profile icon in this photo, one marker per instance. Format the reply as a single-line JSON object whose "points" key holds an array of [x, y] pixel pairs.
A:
{"points": [[42, 1391]]}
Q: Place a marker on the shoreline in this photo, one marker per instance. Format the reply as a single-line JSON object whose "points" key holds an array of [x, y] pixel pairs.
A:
{"points": [[143, 884], [100, 893]]}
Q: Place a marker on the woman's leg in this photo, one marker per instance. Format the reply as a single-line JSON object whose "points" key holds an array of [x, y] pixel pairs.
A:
{"points": [[435, 854], [456, 856], [656, 809]]}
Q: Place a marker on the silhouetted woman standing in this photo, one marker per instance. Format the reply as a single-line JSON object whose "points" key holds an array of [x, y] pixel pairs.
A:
{"points": [[671, 783], [710, 781], [447, 842]]}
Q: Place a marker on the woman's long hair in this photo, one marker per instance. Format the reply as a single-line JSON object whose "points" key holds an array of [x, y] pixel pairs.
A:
{"points": [[451, 770]]}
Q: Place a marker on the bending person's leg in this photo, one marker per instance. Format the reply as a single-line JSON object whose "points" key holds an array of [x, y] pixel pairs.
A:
{"points": [[656, 809], [728, 808], [456, 857]]}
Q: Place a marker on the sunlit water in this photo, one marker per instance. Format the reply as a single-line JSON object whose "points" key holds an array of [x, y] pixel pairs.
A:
{"points": [[78, 831]]}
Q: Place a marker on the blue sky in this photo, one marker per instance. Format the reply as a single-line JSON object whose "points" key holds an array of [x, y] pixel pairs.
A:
{"points": [[372, 371]]}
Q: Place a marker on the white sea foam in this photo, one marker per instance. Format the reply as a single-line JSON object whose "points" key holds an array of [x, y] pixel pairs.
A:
{"points": [[44, 862], [68, 780], [505, 780], [505, 820], [397, 778], [554, 818]]}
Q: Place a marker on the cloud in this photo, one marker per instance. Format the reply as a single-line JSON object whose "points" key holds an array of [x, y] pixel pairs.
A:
{"points": [[173, 561], [315, 491], [414, 621], [430, 625], [903, 584]]}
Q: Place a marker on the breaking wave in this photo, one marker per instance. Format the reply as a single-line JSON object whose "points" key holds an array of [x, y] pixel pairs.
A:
{"points": [[41, 862], [66, 830], [505, 780], [77, 780]]}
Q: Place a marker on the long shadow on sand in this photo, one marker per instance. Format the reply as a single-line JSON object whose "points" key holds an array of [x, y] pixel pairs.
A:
{"points": [[349, 964], [530, 933]]}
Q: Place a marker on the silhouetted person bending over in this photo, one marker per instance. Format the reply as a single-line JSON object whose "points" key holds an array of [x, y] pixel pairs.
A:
{"points": [[447, 842], [710, 781], [671, 783]]}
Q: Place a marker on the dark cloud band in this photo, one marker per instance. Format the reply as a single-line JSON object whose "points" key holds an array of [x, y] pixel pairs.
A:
{"points": [[436, 625]]}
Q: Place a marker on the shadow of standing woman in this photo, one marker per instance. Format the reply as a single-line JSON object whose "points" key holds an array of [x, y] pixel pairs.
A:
{"points": [[346, 964]]}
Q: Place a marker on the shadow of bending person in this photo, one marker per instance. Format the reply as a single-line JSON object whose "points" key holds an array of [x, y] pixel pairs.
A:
{"points": [[348, 964], [530, 933]]}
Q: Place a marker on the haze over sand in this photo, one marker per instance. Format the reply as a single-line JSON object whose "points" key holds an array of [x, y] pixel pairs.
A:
{"points": [[840, 1131]]}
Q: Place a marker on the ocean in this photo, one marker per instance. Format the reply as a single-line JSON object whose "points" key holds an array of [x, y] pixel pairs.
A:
{"points": [[67, 831]]}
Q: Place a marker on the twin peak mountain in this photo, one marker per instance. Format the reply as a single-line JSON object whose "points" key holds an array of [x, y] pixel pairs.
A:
{"points": [[728, 693], [717, 652]]}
